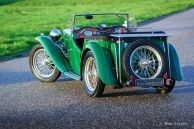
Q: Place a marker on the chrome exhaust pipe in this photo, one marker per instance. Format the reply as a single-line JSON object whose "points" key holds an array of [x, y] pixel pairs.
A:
{"points": [[169, 82]]}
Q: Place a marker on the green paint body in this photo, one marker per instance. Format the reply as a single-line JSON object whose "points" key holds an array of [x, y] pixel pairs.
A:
{"points": [[54, 53], [175, 67], [106, 56]]}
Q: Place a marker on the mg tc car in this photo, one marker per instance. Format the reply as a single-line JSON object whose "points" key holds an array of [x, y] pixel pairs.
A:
{"points": [[107, 49]]}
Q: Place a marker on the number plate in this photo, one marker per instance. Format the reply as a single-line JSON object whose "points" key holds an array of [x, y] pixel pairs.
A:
{"points": [[150, 82]]}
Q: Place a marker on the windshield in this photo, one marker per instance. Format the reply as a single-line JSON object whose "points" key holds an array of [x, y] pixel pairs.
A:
{"points": [[104, 19]]}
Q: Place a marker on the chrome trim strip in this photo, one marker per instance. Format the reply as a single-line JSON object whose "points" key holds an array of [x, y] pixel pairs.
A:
{"points": [[117, 72], [119, 63], [138, 35], [103, 14]]}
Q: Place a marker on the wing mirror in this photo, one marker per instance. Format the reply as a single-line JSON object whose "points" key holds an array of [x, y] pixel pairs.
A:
{"points": [[55, 34]]}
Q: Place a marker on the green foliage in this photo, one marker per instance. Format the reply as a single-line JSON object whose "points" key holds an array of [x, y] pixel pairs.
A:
{"points": [[22, 20]]}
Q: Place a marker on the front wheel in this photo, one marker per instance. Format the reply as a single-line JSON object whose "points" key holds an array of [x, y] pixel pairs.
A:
{"points": [[41, 65], [93, 85]]}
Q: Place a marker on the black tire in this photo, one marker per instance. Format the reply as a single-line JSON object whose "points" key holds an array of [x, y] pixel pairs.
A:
{"points": [[99, 89], [165, 89], [56, 74], [138, 43]]}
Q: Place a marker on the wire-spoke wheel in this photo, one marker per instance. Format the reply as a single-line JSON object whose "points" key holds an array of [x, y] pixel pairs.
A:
{"points": [[90, 74], [92, 83], [145, 60], [41, 65]]}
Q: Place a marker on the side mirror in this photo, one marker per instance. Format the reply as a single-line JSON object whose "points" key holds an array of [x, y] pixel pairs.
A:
{"points": [[88, 16], [55, 34]]}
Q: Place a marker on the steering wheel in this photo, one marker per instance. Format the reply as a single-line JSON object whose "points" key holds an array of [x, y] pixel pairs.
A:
{"points": [[82, 33], [119, 29]]}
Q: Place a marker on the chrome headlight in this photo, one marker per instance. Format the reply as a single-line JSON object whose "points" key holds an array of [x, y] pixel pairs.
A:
{"points": [[55, 34]]}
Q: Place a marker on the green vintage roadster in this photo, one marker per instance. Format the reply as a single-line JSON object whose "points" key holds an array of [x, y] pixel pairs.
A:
{"points": [[107, 49]]}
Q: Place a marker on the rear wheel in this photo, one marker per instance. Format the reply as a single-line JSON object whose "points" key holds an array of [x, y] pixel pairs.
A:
{"points": [[93, 85], [41, 65]]}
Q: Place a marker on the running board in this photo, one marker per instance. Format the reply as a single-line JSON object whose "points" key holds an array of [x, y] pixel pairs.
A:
{"points": [[72, 75]]}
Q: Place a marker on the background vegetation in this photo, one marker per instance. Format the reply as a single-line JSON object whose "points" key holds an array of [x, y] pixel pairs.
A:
{"points": [[22, 20]]}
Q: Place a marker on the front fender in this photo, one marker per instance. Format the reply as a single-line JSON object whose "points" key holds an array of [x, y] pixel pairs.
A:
{"points": [[176, 72], [104, 63], [55, 53]]}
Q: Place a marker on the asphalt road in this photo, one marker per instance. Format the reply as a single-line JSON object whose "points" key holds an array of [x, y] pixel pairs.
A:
{"points": [[28, 103]]}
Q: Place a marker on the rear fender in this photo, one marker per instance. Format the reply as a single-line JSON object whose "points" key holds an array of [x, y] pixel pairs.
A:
{"points": [[176, 72], [55, 53], [104, 63]]}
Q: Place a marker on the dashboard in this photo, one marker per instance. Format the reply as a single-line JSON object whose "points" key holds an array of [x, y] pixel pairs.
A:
{"points": [[89, 31]]}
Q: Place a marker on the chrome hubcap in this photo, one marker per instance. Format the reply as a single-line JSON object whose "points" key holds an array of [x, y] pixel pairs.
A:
{"points": [[43, 66], [145, 62], [90, 74]]}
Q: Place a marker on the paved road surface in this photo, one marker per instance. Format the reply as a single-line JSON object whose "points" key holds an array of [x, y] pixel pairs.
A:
{"points": [[28, 103]]}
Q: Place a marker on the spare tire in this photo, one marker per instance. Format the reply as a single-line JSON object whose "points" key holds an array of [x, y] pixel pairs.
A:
{"points": [[144, 59]]}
